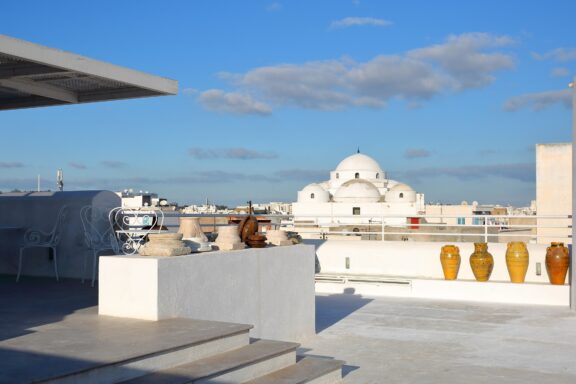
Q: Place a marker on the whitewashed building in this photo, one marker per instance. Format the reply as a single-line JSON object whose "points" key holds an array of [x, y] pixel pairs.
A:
{"points": [[358, 191]]}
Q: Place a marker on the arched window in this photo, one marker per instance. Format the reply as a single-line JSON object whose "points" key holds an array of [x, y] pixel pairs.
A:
{"points": [[377, 175], [337, 175], [311, 195], [401, 195], [356, 175]]}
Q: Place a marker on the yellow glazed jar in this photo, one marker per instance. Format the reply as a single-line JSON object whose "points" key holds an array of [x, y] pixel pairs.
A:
{"points": [[481, 262], [517, 261], [450, 260]]}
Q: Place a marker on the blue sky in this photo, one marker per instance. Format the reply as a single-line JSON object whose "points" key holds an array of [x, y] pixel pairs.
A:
{"points": [[448, 96]]}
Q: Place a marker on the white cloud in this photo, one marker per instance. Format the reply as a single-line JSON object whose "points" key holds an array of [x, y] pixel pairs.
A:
{"points": [[232, 102], [230, 153], [465, 59], [558, 54], [274, 7], [560, 72], [461, 62], [539, 101], [414, 153], [360, 21]]}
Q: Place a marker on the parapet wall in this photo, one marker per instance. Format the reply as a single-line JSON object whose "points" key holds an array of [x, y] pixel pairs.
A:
{"points": [[416, 259]]}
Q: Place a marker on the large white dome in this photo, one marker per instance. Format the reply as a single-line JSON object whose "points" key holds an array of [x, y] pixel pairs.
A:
{"points": [[359, 162], [357, 190]]}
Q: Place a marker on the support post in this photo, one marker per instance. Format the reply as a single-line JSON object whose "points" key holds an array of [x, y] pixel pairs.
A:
{"points": [[572, 272]]}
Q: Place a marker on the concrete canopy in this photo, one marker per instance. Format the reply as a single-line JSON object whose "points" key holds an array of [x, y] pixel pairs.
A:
{"points": [[33, 75]]}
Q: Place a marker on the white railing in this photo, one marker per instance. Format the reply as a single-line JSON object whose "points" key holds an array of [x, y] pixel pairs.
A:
{"points": [[488, 228]]}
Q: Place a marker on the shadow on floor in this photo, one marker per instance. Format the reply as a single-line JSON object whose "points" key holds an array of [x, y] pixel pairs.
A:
{"points": [[333, 308], [36, 301]]}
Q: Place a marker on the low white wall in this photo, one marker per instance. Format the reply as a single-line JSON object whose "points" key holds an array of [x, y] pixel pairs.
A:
{"points": [[461, 290], [415, 259], [270, 288]]}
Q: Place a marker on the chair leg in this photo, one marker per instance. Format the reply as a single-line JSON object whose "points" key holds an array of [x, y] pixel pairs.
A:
{"points": [[55, 262], [94, 266], [85, 267], [19, 265]]}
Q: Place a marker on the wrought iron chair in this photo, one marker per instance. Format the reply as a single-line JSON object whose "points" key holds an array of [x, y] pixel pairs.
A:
{"points": [[99, 236], [132, 226], [35, 238]]}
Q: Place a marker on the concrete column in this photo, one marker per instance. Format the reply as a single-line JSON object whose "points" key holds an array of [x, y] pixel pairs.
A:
{"points": [[572, 263]]}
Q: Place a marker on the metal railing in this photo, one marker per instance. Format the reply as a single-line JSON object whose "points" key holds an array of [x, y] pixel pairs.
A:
{"points": [[487, 228]]}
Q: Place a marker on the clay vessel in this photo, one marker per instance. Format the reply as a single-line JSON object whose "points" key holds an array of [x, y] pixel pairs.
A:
{"points": [[450, 260], [190, 228], [481, 262], [256, 241], [164, 244], [557, 262], [247, 227], [517, 261], [228, 238]]}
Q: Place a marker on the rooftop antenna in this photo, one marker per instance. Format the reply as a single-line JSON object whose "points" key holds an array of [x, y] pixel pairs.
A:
{"points": [[60, 180]]}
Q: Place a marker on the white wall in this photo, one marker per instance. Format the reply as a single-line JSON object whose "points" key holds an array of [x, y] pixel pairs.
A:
{"points": [[271, 288], [415, 259], [553, 189], [38, 211]]}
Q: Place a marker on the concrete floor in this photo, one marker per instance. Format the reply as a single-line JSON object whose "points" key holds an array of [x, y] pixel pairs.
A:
{"points": [[382, 340], [389, 340]]}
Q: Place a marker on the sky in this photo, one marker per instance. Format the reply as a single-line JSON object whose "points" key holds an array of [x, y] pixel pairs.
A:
{"points": [[450, 97]]}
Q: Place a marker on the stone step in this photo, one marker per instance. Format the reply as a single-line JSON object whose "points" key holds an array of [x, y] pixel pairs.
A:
{"points": [[129, 349], [309, 370], [238, 366]]}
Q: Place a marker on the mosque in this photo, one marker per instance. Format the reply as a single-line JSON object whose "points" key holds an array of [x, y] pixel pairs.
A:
{"points": [[357, 192]]}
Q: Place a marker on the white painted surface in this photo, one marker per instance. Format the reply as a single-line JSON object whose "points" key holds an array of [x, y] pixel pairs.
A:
{"points": [[415, 259], [270, 288], [460, 290]]}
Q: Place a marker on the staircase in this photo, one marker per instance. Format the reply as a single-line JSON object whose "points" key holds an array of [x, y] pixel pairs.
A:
{"points": [[190, 351]]}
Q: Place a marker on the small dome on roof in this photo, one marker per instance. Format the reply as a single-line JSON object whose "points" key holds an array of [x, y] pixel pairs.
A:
{"points": [[359, 162], [401, 187], [357, 190]]}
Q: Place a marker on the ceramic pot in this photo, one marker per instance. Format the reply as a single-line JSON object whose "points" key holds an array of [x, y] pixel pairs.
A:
{"points": [[256, 241], [517, 261], [450, 260], [481, 262], [247, 227], [557, 262], [190, 229]]}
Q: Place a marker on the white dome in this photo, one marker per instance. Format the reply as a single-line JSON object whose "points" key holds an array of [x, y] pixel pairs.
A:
{"points": [[401, 187], [359, 162], [313, 193], [357, 190]]}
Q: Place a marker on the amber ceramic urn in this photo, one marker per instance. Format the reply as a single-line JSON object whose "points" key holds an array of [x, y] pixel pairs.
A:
{"points": [[481, 262], [557, 262], [450, 260], [517, 261]]}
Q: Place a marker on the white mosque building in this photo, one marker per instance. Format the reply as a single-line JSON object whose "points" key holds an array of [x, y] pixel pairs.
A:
{"points": [[357, 187]]}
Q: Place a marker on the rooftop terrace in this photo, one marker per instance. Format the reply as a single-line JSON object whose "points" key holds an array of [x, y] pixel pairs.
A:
{"points": [[381, 339]]}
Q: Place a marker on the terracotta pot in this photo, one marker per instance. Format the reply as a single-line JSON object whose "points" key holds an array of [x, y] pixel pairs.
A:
{"points": [[248, 226], [557, 262], [481, 262], [256, 241], [517, 261], [450, 260]]}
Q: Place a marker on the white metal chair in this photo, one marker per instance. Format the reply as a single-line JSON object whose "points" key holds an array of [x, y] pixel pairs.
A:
{"points": [[99, 236], [35, 238], [132, 226]]}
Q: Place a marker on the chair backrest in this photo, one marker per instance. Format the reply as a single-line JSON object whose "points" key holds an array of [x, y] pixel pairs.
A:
{"points": [[129, 224], [98, 233]]}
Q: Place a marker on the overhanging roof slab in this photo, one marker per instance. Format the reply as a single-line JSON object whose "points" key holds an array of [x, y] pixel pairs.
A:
{"points": [[33, 75]]}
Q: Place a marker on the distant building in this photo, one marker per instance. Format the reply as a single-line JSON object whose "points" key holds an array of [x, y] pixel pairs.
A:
{"points": [[131, 199], [554, 190], [357, 187]]}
